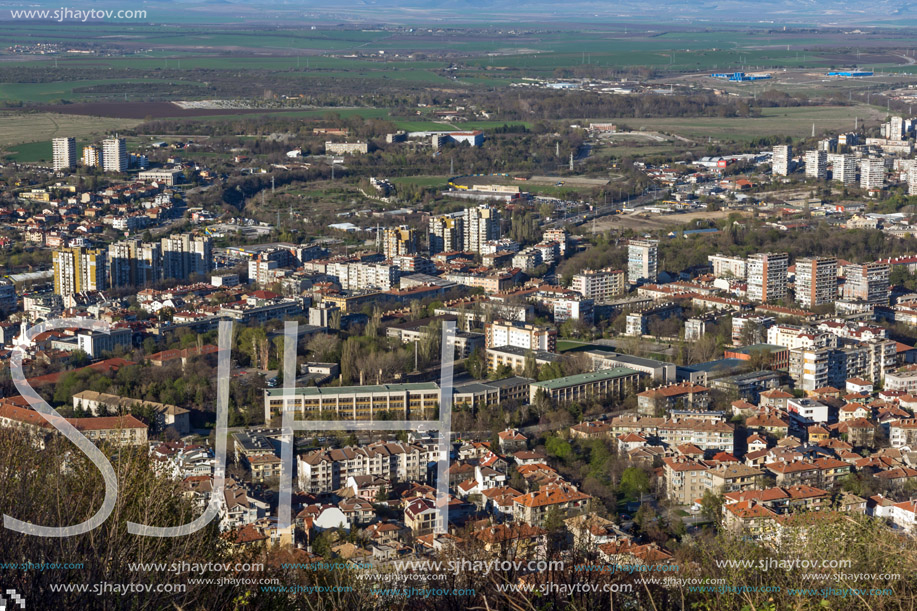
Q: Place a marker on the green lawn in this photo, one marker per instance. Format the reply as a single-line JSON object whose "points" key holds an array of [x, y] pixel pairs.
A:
{"points": [[568, 344]]}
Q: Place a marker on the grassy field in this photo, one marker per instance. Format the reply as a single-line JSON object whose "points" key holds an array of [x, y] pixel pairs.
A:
{"points": [[59, 90], [795, 122], [17, 128], [567, 344], [657, 222], [37, 152]]}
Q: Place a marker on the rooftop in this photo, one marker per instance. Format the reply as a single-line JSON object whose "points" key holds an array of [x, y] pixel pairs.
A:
{"points": [[586, 378]]}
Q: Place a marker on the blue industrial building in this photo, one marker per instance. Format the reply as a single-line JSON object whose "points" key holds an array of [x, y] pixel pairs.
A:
{"points": [[740, 76]]}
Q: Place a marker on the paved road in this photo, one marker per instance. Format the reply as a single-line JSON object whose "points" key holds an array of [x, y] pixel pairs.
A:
{"points": [[600, 211]]}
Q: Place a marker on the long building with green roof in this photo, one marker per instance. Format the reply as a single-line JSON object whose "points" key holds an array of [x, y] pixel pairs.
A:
{"points": [[614, 382]]}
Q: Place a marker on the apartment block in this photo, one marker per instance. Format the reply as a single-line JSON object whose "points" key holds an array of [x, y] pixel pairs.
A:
{"points": [[63, 153], [134, 263], [684, 479], [447, 233], [78, 270], [673, 432], [817, 164], [782, 161], [816, 281], [184, 255], [481, 225], [346, 148], [92, 156], [599, 285], [520, 335], [328, 470], [844, 169], [726, 266], [642, 261], [114, 155], [767, 276], [872, 174], [399, 241], [867, 282]]}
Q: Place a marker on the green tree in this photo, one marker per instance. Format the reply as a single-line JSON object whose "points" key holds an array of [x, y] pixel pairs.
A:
{"points": [[634, 482]]}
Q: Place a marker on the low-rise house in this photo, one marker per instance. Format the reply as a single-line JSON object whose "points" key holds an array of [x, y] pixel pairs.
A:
{"points": [[357, 510], [511, 440], [532, 508], [904, 515], [903, 433], [513, 540], [421, 516], [499, 500], [751, 518]]}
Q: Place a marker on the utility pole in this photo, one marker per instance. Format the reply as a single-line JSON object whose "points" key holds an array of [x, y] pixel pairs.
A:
{"points": [[557, 149], [272, 178], [571, 161]]}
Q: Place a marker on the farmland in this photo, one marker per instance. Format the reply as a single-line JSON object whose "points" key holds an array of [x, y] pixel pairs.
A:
{"points": [[774, 121], [24, 128]]}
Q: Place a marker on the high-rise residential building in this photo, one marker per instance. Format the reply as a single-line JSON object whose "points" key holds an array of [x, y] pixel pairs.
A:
{"points": [[184, 255], [767, 274], [64, 150], [121, 262], [114, 155], [599, 285], [481, 224], [872, 174], [92, 156], [149, 264], [642, 261], [726, 266], [845, 169], [867, 282], [399, 241], [78, 270], [816, 281], [895, 129], [817, 164], [447, 233], [134, 263], [783, 157], [912, 181]]}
